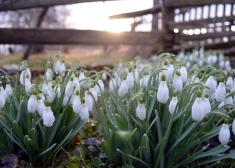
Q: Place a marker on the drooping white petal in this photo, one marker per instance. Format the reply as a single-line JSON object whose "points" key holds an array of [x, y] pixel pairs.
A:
{"points": [[170, 71], [2, 100], [112, 84], [224, 134], [198, 110], [206, 105], [145, 80], [101, 83], [163, 92], [8, 90], [4, 93], [49, 74], [184, 74], [81, 79], [233, 127], [212, 84], [178, 83], [229, 83], [76, 104], [89, 101], [130, 80], [220, 92], [123, 89], [69, 89], [51, 95], [84, 112], [28, 85], [173, 104], [76, 83], [48, 117], [32, 104], [141, 111], [41, 107]]}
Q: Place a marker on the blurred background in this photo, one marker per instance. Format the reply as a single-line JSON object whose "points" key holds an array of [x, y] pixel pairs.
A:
{"points": [[95, 32]]}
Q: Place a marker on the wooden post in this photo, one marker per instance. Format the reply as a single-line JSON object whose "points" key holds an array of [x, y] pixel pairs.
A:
{"points": [[168, 35]]}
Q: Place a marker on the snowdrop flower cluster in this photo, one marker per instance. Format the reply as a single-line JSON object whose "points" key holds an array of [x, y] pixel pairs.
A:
{"points": [[201, 57]]}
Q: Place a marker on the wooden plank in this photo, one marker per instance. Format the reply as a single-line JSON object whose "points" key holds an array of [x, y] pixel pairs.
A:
{"points": [[205, 36], [137, 13], [71, 36], [194, 3], [199, 23], [215, 46], [26, 4]]}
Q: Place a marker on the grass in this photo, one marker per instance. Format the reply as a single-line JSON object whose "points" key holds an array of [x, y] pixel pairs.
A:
{"points": [[38, 61]]}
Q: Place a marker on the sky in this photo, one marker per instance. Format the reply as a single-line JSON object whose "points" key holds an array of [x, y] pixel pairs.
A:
{"points": [[95, 15]]}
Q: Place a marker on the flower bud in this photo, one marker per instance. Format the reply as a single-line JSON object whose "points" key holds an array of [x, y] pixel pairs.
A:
{"points": [[84, 112], [224, 133], [123, 88], [198, 108], [32, 103], [173, 103], [163, 91], [220, 92], [48, 116], [141, 110]]}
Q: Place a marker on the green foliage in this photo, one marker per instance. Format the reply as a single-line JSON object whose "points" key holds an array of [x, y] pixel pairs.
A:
{"points": [[27, 131], [162, 139]]}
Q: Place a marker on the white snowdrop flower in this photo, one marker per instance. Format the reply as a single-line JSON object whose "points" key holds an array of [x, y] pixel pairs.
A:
{"points": [[145, 79], [206, 104], [40, 106], [51, 94], [76, 104], [4, 93], [28, 84], [104, 76], [229, 83], [48, 116], [8, 89], [49, 74], [42, 96], [2, 99], [69, 88], [171, 69], [220, 92], [123, 88], [119, 81], [58, 90], [177, 81], [23, 74], [233, 127], [62, 68], [45, 88], [228, 100], [32, 103], [184, 73], [101, 83], [89, 100], [81, 78], [212, 84], [76, 81], [197, 79], [173, 103], [93, 92], [224, 133], [141, 110], [130, 79], [163, 91], [221, 64], [57, 66], [84, 111], [112, 84], [198, 108]]}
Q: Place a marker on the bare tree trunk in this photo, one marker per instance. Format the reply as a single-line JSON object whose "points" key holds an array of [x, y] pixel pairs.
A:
{"points": [[38, 24]]}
